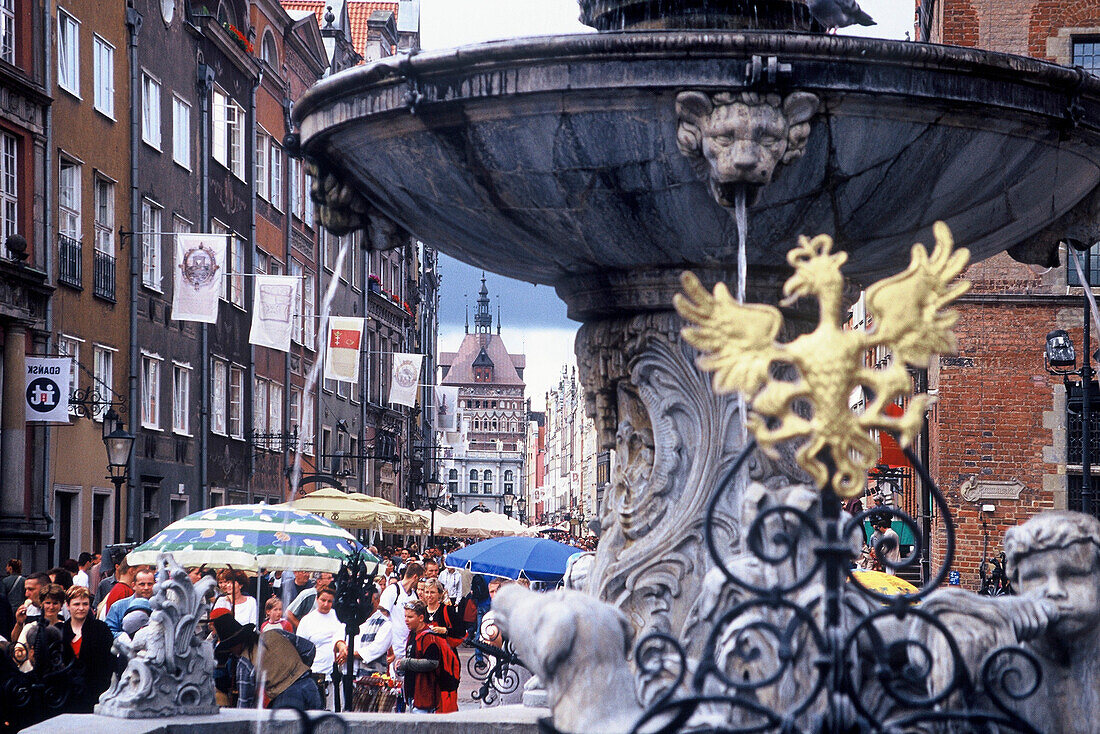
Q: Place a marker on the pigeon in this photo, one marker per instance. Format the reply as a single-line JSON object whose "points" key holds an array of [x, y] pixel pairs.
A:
{"points": [[838, 13]]}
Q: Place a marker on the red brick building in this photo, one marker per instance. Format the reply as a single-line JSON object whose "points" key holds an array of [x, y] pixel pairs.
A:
{"points": [[998, 435]]}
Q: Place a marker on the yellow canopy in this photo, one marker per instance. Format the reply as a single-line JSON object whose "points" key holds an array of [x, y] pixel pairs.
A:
{"points": [[884, 583], [357, 511]]}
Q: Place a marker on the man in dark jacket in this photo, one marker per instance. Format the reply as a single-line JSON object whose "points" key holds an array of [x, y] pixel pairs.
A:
{"points": [[421, 662]]}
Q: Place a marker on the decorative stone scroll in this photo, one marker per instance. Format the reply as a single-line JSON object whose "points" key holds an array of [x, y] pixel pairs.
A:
{"points": [[170, 667]]}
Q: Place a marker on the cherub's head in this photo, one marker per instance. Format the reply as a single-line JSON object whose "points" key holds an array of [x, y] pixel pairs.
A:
{"points": [[1057, 555]]}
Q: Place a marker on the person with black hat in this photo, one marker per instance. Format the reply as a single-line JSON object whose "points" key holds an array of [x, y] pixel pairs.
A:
{"points": [[280, 658]]}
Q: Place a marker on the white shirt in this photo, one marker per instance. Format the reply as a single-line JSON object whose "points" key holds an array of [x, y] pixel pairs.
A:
{"points": [[375, 637], [81, 579], [245, 611], [323, 630], [451, 578], [393, 601]]}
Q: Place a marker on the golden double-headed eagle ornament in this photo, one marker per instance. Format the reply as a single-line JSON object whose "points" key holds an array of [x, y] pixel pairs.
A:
{"points": [[738, 344]]}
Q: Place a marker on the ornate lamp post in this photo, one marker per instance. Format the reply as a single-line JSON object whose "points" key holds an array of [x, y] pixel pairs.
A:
{"points": [[120, 445], [1061, 359], [509, 501], [521, 506]]}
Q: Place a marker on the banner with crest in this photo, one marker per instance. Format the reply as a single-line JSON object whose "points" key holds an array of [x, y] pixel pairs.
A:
{"points": [[198, 277], [273, 310], [342, 354], [405, 378]]}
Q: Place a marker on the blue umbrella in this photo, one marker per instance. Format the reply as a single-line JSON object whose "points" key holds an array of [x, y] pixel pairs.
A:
{"points": [[538, 559]]}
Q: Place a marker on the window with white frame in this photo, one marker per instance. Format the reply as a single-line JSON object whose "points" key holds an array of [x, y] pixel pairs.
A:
{"points": [[295, 417], [307, 423], [297, 200], [68, 199], [68, 52], [354, 391], [103, 74], [69, 346], [180, 225], [275, 408], [275, 188], [9, 185], [343, 389], [236, 271], [236, 401], [150, 110], [104, 216], [218, 390], [307, 202], [262, 143], [181, 399], [151, 217], [326, 448], [228, 133], [7, 31], [259, 408], [103, 371], [150, 390], [181, 132], [308, 308], [297, 332]]}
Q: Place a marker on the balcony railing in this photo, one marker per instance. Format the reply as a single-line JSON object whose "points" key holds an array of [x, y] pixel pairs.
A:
{"points": [[103, 276], [69, 262]]}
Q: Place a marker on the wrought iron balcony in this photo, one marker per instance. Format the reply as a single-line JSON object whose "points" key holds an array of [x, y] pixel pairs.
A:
{"points": [[103, 276], [70, 266]]}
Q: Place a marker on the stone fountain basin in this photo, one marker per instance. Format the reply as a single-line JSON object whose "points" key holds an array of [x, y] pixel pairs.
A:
{"points": [[548, 158]]}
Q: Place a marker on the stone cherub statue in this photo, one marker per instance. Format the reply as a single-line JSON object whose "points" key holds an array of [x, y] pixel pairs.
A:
{"points": [[169, 667], [1054, 562]]}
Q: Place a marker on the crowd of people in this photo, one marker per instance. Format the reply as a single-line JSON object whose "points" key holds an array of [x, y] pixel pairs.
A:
{"points": [[278, 629]]}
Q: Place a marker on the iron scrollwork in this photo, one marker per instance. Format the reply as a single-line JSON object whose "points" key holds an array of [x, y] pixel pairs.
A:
{"points": [[54, 679], [495, 668], [805, 647], [89, 402]]}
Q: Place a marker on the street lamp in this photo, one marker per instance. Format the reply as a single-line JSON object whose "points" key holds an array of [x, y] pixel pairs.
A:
{"points": [[120, 445], [521, 505], [434, 496], [509, 500], [1061, 359]]}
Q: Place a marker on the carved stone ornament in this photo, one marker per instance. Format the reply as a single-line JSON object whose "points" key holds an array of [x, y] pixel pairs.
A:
{"points": [[169, 666], [740, 138], [976, 490], [340, 208]]}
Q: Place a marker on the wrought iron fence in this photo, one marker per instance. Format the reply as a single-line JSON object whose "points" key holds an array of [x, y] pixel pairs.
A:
{"points": [[69, 261], [799, 645], [103, 276], [37, 679]]}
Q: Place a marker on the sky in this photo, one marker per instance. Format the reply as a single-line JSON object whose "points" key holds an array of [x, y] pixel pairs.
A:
{"points": [[533, 318]]}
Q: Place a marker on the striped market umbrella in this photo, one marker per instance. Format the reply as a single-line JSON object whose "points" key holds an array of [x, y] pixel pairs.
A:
{"points": [[252, 538]]}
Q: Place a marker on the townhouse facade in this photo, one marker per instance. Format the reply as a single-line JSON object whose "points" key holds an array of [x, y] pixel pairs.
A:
{"points": [[127, 125]]}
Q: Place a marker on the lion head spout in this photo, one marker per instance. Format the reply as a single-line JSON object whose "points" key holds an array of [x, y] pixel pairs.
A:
{"points": [[738, 139]]}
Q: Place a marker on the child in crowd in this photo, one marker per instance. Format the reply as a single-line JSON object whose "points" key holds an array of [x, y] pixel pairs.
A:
{"points": [[273, 611]]}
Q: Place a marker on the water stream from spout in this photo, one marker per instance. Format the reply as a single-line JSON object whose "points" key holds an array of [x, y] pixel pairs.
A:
{"points": [[741, 214]]}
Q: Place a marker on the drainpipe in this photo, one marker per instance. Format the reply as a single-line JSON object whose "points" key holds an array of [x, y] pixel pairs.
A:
{"points": [[205, 82], [251, 282], [288, 233], [133, 26], [47, 257]]}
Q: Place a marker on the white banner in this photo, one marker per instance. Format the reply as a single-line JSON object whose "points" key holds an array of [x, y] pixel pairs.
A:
{"points": [[342, 356], [47, 389], [198, 277], [273, 309], [405, 378], [446, 408]]}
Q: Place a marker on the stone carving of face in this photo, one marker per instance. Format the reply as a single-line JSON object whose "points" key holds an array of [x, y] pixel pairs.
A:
{"points": [[1069, 578], [740, 139]]}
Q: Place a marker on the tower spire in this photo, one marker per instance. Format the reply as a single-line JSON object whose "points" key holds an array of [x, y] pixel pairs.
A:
{"points": [[467, 318], [498, 314], [483, 319]]}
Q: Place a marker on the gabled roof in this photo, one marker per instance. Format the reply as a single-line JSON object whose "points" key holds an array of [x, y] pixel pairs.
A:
{"points": [[483, 360], [459, 366], [358, 11]]}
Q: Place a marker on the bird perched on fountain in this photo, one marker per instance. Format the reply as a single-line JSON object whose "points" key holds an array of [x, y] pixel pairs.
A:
{"points": [[835, 14]]}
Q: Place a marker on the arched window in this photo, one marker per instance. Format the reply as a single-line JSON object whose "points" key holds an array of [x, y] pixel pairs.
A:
{"points": [[270, 50], [473, 475], [508, 476], [453, 474], [487, 475], [495, 424]]}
